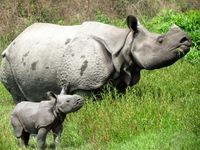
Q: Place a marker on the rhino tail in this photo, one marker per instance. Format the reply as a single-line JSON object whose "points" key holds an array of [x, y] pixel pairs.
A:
{"points": [[5, 65], [5, 71], [5, 52]]}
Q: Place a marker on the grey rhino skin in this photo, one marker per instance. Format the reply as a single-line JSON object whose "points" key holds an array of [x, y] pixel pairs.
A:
{"points": [[39, 118], [45, 56]]}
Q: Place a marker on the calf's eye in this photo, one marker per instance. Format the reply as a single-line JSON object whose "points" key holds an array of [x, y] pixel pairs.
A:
{"points": [[160, 39]]}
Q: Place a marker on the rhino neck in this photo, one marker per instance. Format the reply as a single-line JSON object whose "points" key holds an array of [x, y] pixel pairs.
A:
{"points": [[127, 72], [122, 56], [59, 115]]}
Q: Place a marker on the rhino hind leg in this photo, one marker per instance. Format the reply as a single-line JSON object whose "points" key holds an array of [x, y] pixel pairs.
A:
{"points": [[18, 129], [9, 82]]}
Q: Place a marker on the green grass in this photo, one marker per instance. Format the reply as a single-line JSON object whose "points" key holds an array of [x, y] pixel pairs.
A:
{"points": [[161, 112]]}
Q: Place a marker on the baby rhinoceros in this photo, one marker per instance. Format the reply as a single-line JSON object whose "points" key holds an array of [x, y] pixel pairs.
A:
{"points": [[39, 118]]}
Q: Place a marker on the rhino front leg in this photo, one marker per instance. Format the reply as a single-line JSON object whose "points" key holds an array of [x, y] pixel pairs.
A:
{"points": [[41, 137], [25, 138], [57, 131]]}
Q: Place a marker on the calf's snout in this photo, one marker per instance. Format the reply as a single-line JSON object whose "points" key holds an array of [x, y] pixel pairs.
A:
{"points": [[79, 102]]}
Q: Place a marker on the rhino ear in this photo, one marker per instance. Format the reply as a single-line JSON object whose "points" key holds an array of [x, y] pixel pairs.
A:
{"points": [[51, 95], [132, 22]]}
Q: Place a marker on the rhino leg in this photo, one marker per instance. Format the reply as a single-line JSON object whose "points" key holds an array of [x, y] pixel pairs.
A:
{"points": [[18, 129], [25, 137], [41, 137], [57, 131], [9, 82]]}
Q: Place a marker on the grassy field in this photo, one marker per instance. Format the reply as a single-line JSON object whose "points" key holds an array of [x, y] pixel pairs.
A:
{"points": [[161, 112]]}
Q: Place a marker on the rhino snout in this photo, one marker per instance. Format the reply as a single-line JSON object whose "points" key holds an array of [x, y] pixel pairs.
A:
{"points": [[79, 102], [185, 44]]}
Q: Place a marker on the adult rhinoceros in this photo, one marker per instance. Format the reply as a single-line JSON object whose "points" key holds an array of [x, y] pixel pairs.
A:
{"points": [[45, 56]]}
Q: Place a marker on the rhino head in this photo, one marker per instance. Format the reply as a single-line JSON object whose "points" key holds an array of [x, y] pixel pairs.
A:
{"points": [[153, 51], [64, 103], [146, 50]]}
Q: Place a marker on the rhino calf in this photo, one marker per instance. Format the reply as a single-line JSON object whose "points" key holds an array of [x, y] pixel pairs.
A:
{"points": [[39, 118]]}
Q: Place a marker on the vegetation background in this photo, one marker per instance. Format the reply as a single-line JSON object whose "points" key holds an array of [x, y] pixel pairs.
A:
{"points": [[162, 112]]}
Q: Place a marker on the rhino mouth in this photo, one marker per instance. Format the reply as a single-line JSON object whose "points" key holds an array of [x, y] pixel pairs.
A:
{"points": [[183, 49], [175, 54], [78, 105]]}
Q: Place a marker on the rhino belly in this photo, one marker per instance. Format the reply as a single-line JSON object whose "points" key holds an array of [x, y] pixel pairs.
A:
{"points": [[86, 65]]}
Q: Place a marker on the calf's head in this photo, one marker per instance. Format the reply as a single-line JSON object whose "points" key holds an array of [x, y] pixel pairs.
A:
{"points": [[66, 103], [153, 51]]}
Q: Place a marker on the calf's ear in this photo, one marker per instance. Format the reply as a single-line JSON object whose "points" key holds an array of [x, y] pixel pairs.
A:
{"points": [[51, 95], [132, 22]]}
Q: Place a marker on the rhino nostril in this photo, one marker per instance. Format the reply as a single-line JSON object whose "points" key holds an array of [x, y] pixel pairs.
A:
{"points": [[184, 39]]}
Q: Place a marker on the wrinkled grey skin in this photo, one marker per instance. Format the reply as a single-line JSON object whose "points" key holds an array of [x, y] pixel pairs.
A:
{"points": [[45, 56], [39, 118]]}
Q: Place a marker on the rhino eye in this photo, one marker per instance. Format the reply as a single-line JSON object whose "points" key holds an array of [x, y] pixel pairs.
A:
{"points": [[160, 39], [67, 101]]}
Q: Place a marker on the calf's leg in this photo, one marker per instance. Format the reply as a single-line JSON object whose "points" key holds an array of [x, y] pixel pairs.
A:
{"points": [[57, 131], [41, 137], [25, 137]]}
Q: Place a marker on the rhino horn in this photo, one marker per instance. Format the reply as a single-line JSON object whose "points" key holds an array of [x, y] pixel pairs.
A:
{"points": [[65, 89], [174, 26]]}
